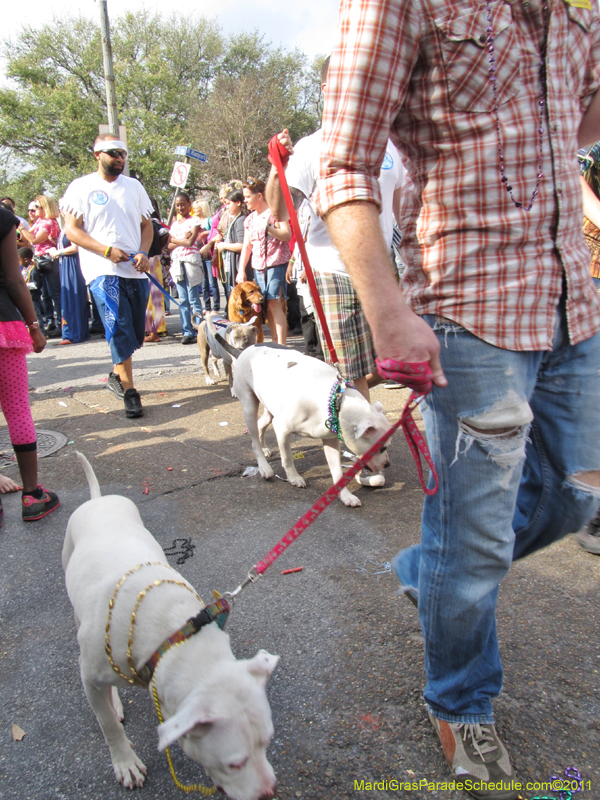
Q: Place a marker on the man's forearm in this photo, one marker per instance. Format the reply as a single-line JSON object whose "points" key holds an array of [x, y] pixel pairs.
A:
{"points": [[398, 333], [589, 127], [274, 197]]}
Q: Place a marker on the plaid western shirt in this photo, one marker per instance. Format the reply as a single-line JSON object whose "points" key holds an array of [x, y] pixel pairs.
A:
{"points": [[419, 72]]}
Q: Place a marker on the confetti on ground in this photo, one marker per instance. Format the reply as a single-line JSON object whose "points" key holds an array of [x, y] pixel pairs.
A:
{"points": [[372, 568], [169, 469], [17, 733], [250, 472], [298, 455], [289, 571], [71, 442], [223, 424], [176, 405], [63, 404], [102, 380]]}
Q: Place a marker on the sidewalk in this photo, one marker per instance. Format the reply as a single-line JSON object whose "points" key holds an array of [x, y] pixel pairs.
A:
{"points": [[346, 696]]}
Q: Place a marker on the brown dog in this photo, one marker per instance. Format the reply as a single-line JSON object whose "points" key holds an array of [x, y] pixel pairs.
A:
{"points": [[245, 302]]}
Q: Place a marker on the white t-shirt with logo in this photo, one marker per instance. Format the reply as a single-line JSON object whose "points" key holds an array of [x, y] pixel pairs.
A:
{"points": [[112, 214], [302, 173]]}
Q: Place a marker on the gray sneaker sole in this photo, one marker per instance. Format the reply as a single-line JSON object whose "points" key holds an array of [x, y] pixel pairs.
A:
{"points": [[589, 543]]}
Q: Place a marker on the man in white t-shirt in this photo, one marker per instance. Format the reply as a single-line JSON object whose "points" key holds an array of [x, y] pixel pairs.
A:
{"points": [[347, 323], [108, 215]]}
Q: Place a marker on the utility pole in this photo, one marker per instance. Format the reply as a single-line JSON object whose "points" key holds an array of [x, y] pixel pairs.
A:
{"points": [[109, 75]]}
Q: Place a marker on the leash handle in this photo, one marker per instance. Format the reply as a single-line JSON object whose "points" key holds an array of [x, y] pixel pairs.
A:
{"points": [[277, 154], [416, 376]]}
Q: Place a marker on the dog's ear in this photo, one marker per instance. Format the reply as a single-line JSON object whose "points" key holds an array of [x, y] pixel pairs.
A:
{"points": [[364, 428], [262, 665], [195, 714]]}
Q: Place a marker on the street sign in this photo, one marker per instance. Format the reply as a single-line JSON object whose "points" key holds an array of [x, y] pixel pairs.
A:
{"points": [[181, 150], [180, 174], [195, 154]]}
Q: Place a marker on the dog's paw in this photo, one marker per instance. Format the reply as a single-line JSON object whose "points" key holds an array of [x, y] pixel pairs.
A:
{"points": [[130, 772], [349, 499], [209, 381], [267, 452], [297, 480], [266, 471]]}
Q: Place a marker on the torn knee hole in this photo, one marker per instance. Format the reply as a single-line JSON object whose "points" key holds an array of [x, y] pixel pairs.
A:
{"points": [[506, 433], [586, 480]]}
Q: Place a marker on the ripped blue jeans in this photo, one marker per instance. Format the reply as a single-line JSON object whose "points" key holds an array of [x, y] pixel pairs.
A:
{"points": [[502, 495]]}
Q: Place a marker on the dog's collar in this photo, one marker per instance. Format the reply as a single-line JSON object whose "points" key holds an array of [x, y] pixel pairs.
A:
{"points": [[215, 612], [335, 403]]}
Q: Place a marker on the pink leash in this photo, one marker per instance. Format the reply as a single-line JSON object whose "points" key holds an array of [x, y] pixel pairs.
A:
{"points": [[414, 376]]}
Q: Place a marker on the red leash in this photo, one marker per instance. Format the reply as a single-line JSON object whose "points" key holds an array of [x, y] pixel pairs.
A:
{"points": [[415, 376], [277, 154]]}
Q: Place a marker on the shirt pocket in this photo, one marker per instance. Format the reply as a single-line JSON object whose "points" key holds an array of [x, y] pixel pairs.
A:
{"points": [[465, 57]]}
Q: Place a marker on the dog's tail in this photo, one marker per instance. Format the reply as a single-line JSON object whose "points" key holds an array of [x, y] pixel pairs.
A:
{"points": [[89, 474], [233, 351]]}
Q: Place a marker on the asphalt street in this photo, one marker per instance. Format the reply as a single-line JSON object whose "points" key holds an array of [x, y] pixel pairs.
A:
{"points": [[346, 696]]}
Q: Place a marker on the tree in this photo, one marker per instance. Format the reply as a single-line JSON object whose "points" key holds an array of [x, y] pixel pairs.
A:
{"points": [[257, 91], [176, 84]]}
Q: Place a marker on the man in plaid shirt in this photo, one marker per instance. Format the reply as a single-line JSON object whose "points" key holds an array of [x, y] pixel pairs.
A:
{"points": [[487, 104]]}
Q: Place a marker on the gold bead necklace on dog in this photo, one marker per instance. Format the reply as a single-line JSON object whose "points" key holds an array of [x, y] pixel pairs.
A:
{"points": [[135, 679]]}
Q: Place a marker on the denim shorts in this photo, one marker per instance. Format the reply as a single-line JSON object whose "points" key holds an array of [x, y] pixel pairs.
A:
{"points": [[133, 299], [272, 282]]}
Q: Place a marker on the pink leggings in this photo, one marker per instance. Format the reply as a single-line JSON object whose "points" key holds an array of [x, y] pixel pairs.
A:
{"points": [[14, 399]]}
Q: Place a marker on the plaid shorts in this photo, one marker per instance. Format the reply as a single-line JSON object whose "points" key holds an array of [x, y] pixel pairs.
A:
{"points": [[347, 324]]}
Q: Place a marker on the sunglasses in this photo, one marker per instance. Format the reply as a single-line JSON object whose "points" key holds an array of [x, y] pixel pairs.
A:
{"points": [[116, 153], [37, 205], [31, 210]]}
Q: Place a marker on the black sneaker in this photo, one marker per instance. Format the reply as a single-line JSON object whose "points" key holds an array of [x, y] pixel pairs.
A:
{"points": [[188, 339], [38, 503], [589, 537], [115, 385], [133, 404]]}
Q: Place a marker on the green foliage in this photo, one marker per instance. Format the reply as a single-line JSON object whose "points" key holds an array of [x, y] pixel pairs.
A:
{"points": [[176, 84]]}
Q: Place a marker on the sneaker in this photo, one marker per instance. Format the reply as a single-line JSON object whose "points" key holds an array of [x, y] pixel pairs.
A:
{"points": [[188, 339], [53, 333], [115, 385], [589, 537], [38, 503], [478, 758], [373, 479], [133, 404]]}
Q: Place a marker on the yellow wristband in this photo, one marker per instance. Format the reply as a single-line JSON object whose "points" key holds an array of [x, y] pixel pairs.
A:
{"points": [[107, 252]]}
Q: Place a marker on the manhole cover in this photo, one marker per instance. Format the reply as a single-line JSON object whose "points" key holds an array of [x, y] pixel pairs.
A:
{"points": [[48, 442]]}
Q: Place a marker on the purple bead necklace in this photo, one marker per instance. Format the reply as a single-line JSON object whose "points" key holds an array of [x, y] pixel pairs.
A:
{"points": [[542, 105]]}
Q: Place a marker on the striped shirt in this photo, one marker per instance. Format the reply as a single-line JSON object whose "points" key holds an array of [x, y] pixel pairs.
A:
{"points": [[419, 72]]}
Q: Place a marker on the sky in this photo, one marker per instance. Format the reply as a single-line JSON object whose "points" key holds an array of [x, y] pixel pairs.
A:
{"points": [[306, 24]]}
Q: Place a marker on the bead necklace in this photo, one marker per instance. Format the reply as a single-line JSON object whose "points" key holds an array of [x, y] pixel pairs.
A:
{"points": [[541, 103]]}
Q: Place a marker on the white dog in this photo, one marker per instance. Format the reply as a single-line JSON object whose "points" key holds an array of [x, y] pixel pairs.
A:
{"points": [[214, 705], [295, 391]]}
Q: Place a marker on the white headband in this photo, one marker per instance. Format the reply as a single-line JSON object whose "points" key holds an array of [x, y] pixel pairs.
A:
{"points": [[110, 144]]}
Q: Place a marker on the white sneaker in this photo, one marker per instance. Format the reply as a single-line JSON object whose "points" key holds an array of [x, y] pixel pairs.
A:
{"points": [[373, 479]]}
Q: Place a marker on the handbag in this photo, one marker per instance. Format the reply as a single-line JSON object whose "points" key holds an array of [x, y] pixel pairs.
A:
{"points": [[44, 264]]}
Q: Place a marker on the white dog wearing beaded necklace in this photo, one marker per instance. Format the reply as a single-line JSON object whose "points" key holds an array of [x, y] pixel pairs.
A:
{"points": [[304, 396], [213, 704]]}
